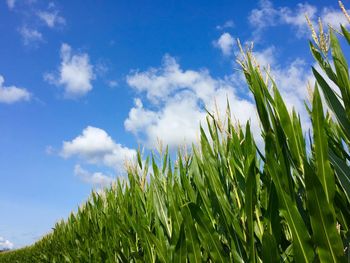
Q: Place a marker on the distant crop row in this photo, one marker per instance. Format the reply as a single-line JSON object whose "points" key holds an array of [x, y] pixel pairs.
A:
{"points": [[228, 201]]}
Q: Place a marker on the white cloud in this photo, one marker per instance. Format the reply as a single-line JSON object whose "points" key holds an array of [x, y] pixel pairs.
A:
{"points": [[30, 36], [333, 17], [268, 16], [177, 103], [95, 146], [75, 73], [51, 19], [266, 56], [225, 44], [176, 99], [297, 18], [11, 3], [264, 16], [139, 118], [5, 244], [12, 94], [227, 24], [158, 84], [97, 178], [176, 123]]}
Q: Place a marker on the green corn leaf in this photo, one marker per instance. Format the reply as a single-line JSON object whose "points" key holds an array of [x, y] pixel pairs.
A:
{"points": [[287, 126], [333, 103], [324, 171], [208, 235], [192, 241], [161, 209], [180, 254], [250, 207], [260, 103], [270, 251], [325, 235], [342, 69], [345, 33], [139, 159], [342, 172], [303, 251], [272, 215], [323, 63]]}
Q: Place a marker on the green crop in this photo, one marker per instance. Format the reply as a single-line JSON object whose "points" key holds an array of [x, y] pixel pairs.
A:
{"points": [[228, 201]]}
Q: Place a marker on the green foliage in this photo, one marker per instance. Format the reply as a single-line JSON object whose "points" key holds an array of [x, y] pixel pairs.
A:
{"points": [[227, 201]]}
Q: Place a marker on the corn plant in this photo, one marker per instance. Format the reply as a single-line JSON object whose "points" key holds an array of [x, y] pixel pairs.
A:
{"points": [[228, 200]]}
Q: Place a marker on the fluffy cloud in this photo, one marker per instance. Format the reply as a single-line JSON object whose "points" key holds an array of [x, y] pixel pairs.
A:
{"points": [[51, 19], [176, 123], [96, 179], [225, 44], [178, 99], [267, 16], [159, 84], [95, 146], [30, 36], [5, 244], [12, 94], [75, 73], [139, 118]]}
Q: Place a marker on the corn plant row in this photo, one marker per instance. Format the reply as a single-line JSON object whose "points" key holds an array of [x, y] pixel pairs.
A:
{"points": [[228, 200]]}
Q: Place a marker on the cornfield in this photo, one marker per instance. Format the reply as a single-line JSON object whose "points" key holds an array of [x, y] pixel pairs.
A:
{"points": [[227, 200]]}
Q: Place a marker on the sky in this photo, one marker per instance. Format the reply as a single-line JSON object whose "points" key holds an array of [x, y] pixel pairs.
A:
{"points": [[83, 84]]}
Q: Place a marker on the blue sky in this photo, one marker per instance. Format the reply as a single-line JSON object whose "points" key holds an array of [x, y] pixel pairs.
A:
{"points": [[83, 83]]}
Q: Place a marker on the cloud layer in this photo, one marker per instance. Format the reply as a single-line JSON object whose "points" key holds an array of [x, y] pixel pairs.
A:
{"points": [[267, 15], [177, 102]]}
